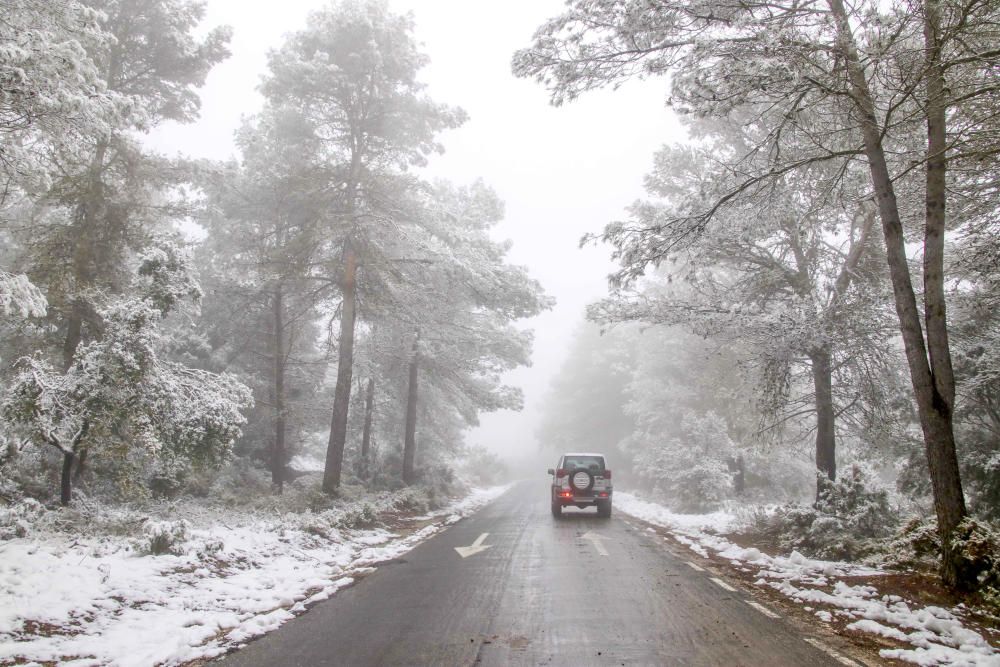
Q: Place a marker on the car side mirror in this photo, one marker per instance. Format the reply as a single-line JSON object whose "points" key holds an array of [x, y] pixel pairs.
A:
{"points": [[551, 471]]}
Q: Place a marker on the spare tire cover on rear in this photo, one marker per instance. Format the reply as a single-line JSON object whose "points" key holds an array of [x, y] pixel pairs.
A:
{"points": [[581, 479]]}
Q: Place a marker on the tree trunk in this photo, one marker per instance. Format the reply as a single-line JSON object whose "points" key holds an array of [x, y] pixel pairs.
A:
{"points": [[66, 480], [345, 363], [942, 459], [740, 478], [81, 465], [826, 435], [278, 451], [74, 333], [84, 234], [933, 406], [366, 433], [935, 319], [410, 439]]}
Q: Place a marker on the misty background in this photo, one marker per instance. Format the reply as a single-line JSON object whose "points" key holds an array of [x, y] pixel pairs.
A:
{"points": [[561, 172]]}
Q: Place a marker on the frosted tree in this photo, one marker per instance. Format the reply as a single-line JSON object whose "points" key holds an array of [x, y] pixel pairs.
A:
{"points": [[352, 75], [907, 88], [975, 313], [19, 298], [789, 269], [440, 313], [461, 299], [120, 398], [51, 90], [107, 195], [263, 255]]}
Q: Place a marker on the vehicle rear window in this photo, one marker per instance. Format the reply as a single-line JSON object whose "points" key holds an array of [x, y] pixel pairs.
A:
{"points": [[591, 463]]}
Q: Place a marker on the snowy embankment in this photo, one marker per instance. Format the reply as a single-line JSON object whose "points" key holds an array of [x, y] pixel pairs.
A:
{"points": [[937, 634], [99, 601]]}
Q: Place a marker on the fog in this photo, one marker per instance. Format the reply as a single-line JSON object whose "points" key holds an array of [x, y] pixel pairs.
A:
{"points": [[290, 288], [561, 172]]}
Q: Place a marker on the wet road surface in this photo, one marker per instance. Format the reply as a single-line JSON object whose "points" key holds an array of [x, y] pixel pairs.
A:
{"points": [[543, 593]]}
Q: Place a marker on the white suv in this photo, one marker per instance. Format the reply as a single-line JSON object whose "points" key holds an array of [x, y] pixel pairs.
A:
{"points": [[582, 480]]}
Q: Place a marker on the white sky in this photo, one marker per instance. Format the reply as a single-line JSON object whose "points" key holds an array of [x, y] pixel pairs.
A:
{"points": [[563, 172]]}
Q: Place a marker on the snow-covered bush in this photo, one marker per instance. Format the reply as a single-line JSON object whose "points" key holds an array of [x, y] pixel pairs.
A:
{"points": [[438, 483], [18, 297], [320, 525], [691, 473], [978, 547], [120, 399], [238, 483], [359, 515], [412, 499], [916, 546], [848, 521], [703, 485], [858, 502], [16, 519], [165, 537], [169, 477]]}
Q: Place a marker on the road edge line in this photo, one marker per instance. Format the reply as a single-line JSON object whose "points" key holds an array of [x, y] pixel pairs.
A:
{"points": [[720, 583], [836, 655], [764, 610]]}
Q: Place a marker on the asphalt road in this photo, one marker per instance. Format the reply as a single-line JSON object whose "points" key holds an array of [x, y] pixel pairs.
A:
{"points": [[541, 594]]}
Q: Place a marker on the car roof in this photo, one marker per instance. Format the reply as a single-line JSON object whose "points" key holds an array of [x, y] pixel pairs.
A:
{"points": [[583, 454]]}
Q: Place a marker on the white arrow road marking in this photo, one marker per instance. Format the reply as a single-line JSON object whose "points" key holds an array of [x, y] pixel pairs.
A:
{"points": [[595, 539], [476, 547]]}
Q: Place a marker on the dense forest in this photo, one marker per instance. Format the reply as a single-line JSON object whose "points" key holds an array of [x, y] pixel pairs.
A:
{"points": [[808, 295], [165, 319]]}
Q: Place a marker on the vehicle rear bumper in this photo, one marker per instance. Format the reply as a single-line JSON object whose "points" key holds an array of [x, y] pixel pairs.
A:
{"points": [[581, 501]]}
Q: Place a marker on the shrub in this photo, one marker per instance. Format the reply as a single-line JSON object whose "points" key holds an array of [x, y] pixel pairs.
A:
{"points": [[412, 500], [165, 537], [915, 546], [852, 498], [978, 548], [704, 485], [16, 519], [359, 515], [690, 473], [169, 477], [849, 520]]}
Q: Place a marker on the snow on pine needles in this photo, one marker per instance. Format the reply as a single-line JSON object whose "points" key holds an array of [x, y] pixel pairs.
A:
{"points": [[190, 584], [937, 635]]}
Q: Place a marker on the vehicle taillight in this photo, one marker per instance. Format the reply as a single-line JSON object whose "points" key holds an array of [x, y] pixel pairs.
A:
{"points": [[607, 474], [561, 472], [566, 494]]}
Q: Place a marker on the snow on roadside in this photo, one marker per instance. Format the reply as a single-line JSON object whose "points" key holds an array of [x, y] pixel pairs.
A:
{"points": [[95, 601], [937, 634]]}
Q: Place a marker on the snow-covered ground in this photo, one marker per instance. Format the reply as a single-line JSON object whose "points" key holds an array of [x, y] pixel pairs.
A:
{"points": [[937, 635], [99, 601]]}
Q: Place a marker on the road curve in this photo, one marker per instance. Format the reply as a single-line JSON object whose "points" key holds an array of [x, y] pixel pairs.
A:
{"points": [[543, 593]]}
